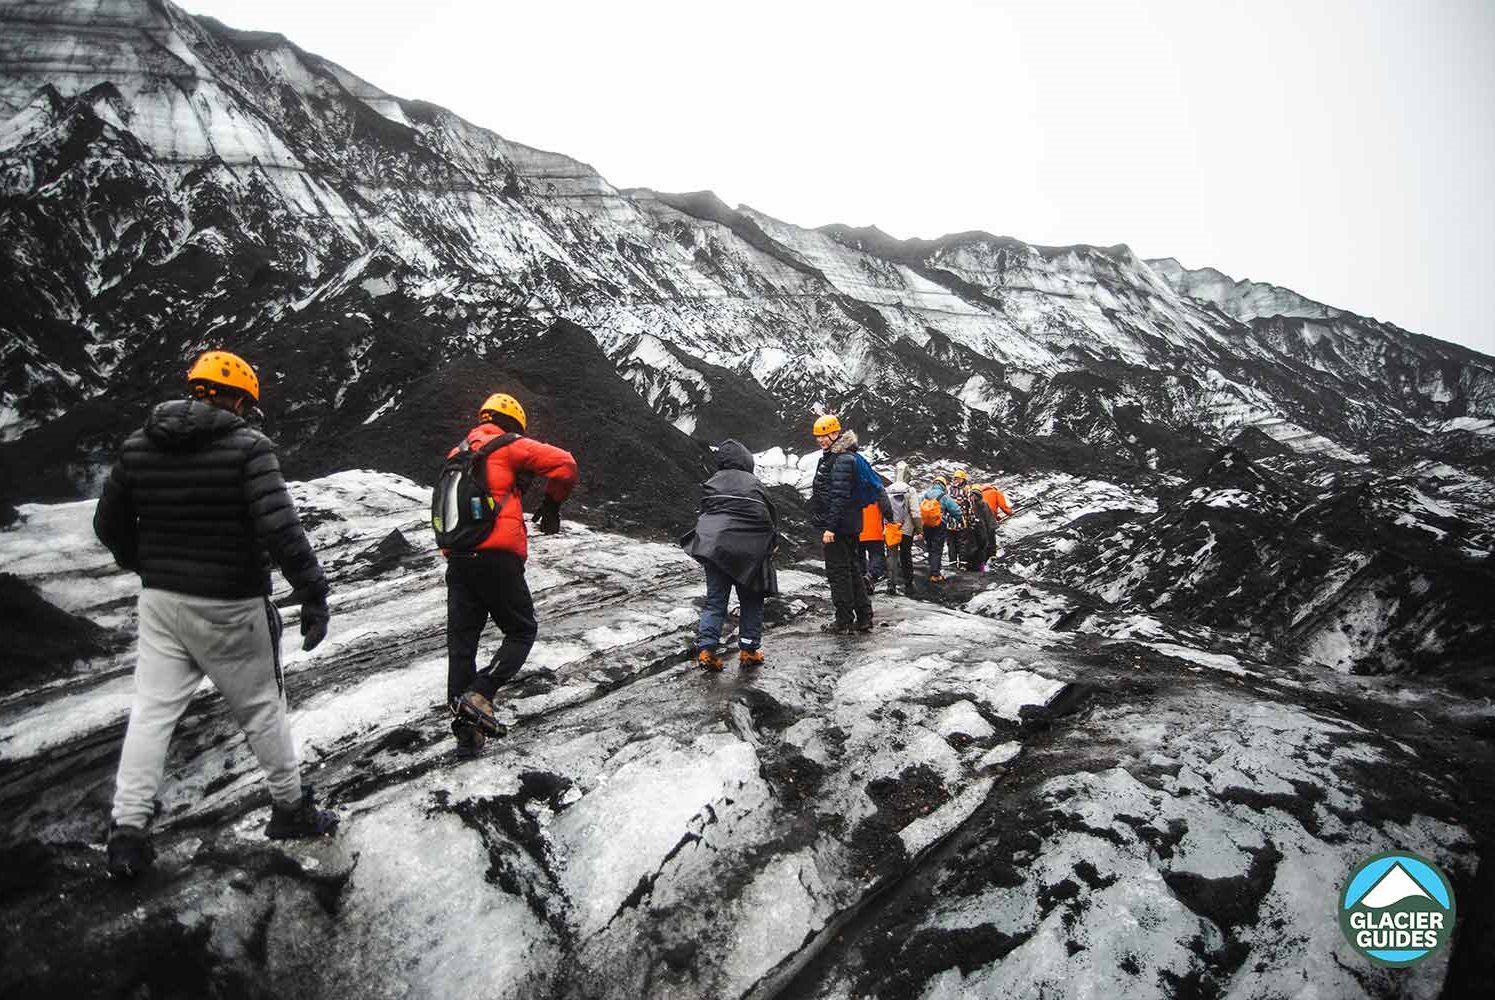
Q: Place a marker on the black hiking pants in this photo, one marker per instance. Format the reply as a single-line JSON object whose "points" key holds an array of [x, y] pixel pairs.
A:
{"points": [[906, 563], [479, 586], [843, 569]]}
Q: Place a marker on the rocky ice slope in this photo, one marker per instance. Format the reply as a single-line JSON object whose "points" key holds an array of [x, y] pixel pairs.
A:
{"points": [[1387, 574], [167, 182], [1004, 791], [1236, 640]]}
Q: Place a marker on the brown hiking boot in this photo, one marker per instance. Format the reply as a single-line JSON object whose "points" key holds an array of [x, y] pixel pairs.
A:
{"points": [[470, 739], [708, 660], [750, 658], [473, 708]]}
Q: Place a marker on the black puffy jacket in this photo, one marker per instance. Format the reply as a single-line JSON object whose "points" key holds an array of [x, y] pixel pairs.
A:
{"points": [[833, 505], [196, 504]]}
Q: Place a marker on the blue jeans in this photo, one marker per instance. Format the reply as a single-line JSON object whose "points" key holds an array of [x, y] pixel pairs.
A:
{"points": [[876, 558], [714, 612]]}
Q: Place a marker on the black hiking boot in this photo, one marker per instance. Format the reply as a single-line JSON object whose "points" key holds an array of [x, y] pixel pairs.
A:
{"points": [[863, 625], [473, 708], [837, 628], [301, 820], [470, 739], [130, 851]]}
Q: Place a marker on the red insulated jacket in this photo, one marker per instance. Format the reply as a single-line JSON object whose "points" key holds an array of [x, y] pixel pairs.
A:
{"points": [[522, 455]]}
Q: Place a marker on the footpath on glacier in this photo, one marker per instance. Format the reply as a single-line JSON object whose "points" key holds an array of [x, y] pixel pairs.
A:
{"points": [[990, 795]]}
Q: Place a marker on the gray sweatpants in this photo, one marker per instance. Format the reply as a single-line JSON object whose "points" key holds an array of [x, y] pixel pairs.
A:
{"points": [[236, 643]]}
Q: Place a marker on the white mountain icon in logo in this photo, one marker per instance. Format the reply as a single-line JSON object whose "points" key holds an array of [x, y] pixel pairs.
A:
{"points": [[1395, 886]]}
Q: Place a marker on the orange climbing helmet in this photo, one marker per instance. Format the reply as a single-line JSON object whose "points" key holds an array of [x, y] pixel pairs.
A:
{"points": [[501, 402], [222, 369], [828, 424]]}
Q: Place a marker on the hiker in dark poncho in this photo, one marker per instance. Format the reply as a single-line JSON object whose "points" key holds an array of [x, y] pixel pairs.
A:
{"points": [[734, 539]]}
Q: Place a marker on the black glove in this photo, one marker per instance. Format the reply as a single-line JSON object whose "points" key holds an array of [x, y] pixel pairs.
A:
{"points": [[314, 618], [548, 517]]}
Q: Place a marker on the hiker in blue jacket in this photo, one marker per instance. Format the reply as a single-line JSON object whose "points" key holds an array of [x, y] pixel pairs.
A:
{"points": [[935, 530], [835, 510]]}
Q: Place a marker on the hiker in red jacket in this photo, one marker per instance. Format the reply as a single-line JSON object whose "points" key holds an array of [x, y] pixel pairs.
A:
{"points": [[488, 580]]}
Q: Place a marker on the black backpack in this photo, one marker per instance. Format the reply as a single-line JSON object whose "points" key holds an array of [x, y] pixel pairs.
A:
{"points": [[463, 511]]}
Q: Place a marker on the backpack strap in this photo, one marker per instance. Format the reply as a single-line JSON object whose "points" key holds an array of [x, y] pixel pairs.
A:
{"points": [[519, 483], [493, 444]]}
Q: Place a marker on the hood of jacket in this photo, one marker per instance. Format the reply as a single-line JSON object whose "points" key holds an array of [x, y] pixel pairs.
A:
{"points": [[184, 424], [732, 454], [846, 442]]}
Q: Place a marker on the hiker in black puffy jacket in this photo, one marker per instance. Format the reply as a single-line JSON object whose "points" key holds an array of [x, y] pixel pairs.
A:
{"points": [[835, 511], [196, 505], [734, 540]]}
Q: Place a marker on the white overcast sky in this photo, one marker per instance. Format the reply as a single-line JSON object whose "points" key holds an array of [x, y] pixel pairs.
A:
{"points": [[1343, 149]]}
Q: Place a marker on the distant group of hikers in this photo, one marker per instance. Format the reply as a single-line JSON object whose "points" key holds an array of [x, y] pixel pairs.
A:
{"points": [[863, 522], [197, 506]]}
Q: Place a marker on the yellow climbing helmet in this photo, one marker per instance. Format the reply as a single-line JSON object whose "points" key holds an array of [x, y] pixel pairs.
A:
{"points": [[220, 368], [503, 403], [962, 474], [827, 424]]}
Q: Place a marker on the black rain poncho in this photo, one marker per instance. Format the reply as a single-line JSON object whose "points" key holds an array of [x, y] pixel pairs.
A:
{"points": [[738, 527]]}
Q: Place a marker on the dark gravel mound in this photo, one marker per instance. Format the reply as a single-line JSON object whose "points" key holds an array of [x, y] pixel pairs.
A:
{"points": [[638, 472], [39, 641]]}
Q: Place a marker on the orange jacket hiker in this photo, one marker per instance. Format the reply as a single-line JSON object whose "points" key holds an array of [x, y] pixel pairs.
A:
{"points": [[996, 500], [523, 455]]}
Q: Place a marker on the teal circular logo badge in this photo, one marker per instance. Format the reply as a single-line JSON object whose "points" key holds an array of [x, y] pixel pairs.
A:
{"points": [[1396, 909]]}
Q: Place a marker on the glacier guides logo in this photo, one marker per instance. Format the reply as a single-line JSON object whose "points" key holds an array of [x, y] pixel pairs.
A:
{"points": [[1396, 909]]}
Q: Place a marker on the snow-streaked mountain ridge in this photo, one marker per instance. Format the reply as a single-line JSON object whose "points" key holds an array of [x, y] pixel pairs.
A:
{"points": [[167, 183]]}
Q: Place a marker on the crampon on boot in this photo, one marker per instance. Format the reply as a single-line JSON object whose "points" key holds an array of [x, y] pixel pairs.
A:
{"points": [[473, 708], [303, 819], [130, 851], [470, 739], [747, 658], [707, 659]]}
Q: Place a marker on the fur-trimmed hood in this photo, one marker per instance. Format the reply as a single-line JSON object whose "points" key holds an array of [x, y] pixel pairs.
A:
{"points": [[846, 442]]}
